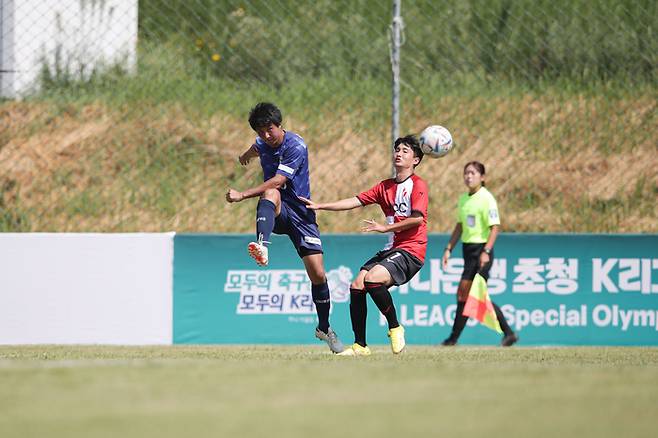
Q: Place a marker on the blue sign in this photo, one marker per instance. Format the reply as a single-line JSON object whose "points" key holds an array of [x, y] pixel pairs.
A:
{"points": [[554, 290]]}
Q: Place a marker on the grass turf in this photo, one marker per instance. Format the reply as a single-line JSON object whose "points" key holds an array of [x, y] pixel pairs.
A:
{"points": [[301, 391]]}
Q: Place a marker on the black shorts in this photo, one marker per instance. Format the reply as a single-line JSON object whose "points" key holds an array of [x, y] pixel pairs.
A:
{"points": [[399, 263], [472, 253]]}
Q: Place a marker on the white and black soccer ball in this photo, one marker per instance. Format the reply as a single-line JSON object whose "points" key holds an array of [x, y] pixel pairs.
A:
{"points": [[435, 141]]}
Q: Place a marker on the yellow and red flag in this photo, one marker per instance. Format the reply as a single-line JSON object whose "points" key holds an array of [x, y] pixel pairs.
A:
{"points": [[479, 306]]}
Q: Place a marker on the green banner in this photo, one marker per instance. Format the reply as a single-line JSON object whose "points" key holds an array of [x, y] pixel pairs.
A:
{"points": [[554, 290]]}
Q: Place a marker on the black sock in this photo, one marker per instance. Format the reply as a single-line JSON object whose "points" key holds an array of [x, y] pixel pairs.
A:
{"points": [[384, 301], [265, 215], [322, 300], [460, 322], [358, 314], [502, 321]]}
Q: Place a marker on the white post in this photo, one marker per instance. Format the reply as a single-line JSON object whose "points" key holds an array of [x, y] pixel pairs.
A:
{"points": [[75, 37], [396, 30], [6, 46]]}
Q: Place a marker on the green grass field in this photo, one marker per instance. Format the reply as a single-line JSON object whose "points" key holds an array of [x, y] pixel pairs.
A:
{"points": [[304, 391]]}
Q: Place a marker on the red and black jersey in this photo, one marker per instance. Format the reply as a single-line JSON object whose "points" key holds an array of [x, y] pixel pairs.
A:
{"points": [[398, 200]]}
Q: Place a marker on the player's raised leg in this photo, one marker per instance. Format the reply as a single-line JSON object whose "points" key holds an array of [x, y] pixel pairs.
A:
{"points": [[314, 264], [267, 210]]}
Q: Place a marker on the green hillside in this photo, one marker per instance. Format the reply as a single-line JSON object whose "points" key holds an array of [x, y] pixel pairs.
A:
{"points": [[561, 110]]}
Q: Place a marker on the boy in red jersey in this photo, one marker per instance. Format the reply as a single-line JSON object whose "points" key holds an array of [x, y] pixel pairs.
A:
{"points": [[403, 200]]}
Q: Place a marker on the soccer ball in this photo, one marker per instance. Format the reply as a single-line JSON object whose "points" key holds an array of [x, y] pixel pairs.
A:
{"points": [[435, 141]]}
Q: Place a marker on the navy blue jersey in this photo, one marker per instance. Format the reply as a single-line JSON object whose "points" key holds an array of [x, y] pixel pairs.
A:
{"points": [[290, 160]]}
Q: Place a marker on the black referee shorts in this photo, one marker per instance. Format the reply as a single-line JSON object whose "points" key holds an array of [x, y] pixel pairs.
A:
{"points": [[399, 263], [472, 253]]}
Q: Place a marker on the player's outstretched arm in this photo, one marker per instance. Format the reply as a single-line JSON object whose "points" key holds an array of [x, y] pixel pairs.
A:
{"points": [[248, 155], [343, 204], [276, 182], [413, 221]]}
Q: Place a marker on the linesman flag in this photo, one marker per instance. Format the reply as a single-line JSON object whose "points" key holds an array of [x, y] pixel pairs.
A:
{"points": [[478, 304]]}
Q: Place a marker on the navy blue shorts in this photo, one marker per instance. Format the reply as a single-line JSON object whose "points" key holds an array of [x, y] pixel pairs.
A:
{"points": [[299, 223]]}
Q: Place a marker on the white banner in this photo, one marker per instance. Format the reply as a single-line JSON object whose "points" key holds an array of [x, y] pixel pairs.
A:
{"points": [[86, 288]]}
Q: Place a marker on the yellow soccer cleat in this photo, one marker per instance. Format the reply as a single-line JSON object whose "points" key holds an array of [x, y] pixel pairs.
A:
{"points": [[356, 350], [397, 339]]}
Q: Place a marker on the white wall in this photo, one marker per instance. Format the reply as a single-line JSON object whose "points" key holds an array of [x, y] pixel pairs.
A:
{"points": [[83, 34], [86, 288]]}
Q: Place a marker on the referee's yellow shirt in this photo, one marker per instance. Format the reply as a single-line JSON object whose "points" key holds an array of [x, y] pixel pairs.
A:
{"points": [[477, 213]]}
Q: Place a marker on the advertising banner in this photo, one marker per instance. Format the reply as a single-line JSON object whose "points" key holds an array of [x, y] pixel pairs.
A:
{"points": [[86, 288], [554, 290]]}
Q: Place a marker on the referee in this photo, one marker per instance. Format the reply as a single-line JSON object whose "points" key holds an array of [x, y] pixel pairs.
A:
{"points": [[477, 224]]}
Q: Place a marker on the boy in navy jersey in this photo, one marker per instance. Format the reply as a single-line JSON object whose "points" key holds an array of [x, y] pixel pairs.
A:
{"points": [[403, 201], [284, 159]]}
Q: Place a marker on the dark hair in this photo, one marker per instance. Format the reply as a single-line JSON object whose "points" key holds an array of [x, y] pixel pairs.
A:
{"points": [[413, 143], [263, 114], [478, 166]]}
